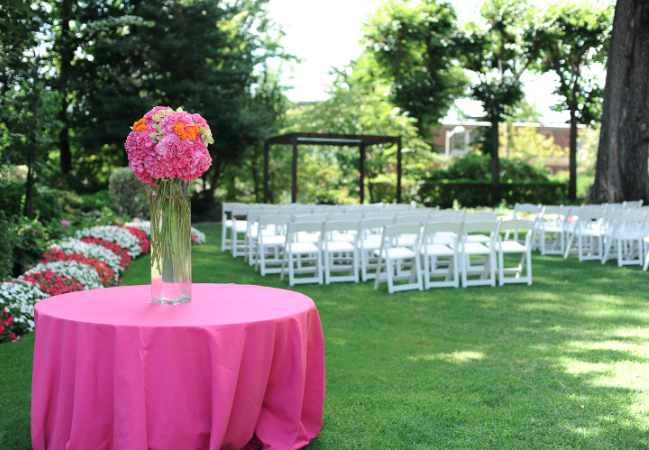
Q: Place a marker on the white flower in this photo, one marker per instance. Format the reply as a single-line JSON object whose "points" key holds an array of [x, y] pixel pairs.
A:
{"points": [[19, 299], [120, 236], [93, 251], [83, 273]]}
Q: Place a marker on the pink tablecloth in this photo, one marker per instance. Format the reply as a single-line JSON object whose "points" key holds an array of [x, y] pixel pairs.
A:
{"points": [[238, 367]]}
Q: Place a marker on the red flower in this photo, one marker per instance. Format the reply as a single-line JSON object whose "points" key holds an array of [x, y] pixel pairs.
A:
{"points": [[60, 285], [10, 319], [12, 336], [2, 329], [7, 323], [115, 248], [106, 275], [144, 242]]}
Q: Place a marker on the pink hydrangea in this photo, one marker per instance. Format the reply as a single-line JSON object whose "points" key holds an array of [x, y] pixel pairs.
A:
{"points": [[177, 151]]}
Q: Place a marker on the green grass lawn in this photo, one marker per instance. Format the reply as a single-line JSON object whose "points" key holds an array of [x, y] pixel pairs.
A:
{"points": [[562, 364]]}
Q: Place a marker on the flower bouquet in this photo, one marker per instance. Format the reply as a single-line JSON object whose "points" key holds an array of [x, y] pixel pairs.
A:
{"points": [[167, 149]]}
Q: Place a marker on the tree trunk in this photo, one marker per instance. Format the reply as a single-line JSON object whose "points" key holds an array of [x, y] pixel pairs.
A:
{"points": [[31, 156], [572, 185], [66, 53], [621, 170], [495, 164]]}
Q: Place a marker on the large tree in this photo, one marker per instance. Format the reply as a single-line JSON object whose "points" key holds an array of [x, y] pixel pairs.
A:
{"points": [[413, 46], [497, 52], [572, 38], [621, 169]]}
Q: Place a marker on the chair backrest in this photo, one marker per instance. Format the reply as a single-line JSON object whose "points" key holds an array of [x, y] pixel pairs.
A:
{"points": [[632, 205], [487, 226], [229, 206], [480, 216], [390, 231], [411, 218], [297, 227], [373, 224], [257, 213], [309, 217], [516, 224], [448, 214], [437, 227], [560, 211], [637, 216], [526, 208], [346, 216], [340, 225], [379, 215], [243, 210], [273, 220]]}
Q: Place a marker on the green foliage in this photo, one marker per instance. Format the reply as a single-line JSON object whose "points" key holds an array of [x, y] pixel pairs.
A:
{"points": [[31, 238], [474, 193], [46, 204], [11, 200], [129, 194], [413, 46], [96, 201], [476, 167], [7, 243], [572, 36]]}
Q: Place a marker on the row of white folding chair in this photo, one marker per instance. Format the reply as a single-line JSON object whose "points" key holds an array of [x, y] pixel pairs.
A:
{"points": [[458, 253]]}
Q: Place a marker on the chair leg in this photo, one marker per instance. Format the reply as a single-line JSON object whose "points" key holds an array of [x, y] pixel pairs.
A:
{"points": [[646, 261], [529, 266], [420, 284], [501, 268], [426, 271], [291, 270], [390, 267], [492, 269]]}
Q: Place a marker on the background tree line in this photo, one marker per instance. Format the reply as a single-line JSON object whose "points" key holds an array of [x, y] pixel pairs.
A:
{"points": [[73, 76]]}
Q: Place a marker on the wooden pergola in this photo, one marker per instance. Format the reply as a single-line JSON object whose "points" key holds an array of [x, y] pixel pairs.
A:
{"points": [[351, 140]]}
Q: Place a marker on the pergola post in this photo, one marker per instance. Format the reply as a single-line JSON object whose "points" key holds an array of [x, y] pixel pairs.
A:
{"points": [[294, 171], [361, 168], [266, 190], [399, 170]]}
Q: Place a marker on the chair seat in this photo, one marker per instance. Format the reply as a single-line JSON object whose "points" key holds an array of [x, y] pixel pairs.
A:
{"points": [[407, 240], [397, 253], [344, 237], [372, 242], [475, 248], [302, 247], [274, 240], [551, 228], [339, 246], [437, 250], [478, 238], [510, 247], [588, 232], [443, 240], [308, 237], [242, 226]]}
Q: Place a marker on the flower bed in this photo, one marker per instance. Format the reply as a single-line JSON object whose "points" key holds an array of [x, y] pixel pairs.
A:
{"points": [[93, 260]]}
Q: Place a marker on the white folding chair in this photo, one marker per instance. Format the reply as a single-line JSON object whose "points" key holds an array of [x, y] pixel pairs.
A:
{"points": [[253, 231], [339, 255], [552, 229], [302, 252], [240, 226], [226, 208], [633, 205], [528, 211], [389, 254], [590, 235], [487, 269], [505, 245], [271, 244], [440, 260], [370, 232], [645, 241], [480, 217], [628, 237]]}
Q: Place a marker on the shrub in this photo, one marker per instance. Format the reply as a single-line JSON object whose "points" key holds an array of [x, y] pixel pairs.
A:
{"points": [[96, 201], [7, 243], [474, 193], [11, 200], [477, 167], [129, 194]]}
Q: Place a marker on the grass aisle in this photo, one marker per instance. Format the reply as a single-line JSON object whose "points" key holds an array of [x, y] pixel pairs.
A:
{"points": [[560, 364]]}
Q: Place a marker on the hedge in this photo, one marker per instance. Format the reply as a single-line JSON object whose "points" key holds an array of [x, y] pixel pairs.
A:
{"points": [[474, 193]]}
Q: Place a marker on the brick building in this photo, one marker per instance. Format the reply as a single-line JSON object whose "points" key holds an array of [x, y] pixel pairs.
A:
{"points": [[455, 138]]}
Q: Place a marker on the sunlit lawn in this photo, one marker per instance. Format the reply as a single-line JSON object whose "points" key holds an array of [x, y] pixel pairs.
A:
{"points": [[561, 364]]}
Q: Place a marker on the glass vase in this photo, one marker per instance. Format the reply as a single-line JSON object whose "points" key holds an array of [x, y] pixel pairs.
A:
{"points": [[171, 242]]}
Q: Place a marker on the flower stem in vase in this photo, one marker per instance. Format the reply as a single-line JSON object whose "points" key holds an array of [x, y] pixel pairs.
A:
{"points": [[170, 242]]}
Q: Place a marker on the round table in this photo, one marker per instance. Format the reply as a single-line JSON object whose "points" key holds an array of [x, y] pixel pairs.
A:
{"points": [[239, 367]]}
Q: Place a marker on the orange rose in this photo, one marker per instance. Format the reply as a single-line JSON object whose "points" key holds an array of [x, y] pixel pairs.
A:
{"points": [[179, 129], [193, 132], [140, 125]]}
